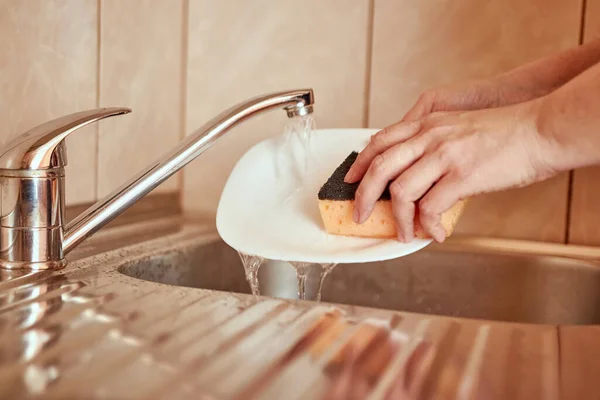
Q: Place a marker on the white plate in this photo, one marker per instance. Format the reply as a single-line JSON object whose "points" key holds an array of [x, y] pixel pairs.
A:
{"points": [[269, 207]]}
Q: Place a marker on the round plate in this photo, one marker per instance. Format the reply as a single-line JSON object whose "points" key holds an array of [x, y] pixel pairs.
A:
{"points": [[269, 207]]}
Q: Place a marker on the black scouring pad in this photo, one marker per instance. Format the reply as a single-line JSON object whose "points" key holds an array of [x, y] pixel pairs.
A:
{"points": [[336, 189]]}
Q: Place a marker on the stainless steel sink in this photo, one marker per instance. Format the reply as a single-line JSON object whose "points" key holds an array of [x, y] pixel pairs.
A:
{"points": [[441, 279]]}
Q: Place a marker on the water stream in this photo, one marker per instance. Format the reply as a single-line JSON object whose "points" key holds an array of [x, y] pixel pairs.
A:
{"points": [[292, 167], [325, 270], [293, 157], [301, 275], [251, 265], [298, 130]]}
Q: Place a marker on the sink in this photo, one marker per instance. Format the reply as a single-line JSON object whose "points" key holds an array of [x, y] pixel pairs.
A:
{"points": [[449, 280]]}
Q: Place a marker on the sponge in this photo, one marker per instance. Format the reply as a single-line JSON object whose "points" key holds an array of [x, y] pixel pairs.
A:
{"points": [[336, 204]]}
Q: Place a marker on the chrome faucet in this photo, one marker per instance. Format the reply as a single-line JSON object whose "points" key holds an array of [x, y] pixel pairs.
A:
{"points": [[32, 180]]}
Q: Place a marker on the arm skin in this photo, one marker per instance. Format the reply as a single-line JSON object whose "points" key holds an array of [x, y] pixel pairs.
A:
{"points": [[570, 118], [525, 83], [443, 157]]}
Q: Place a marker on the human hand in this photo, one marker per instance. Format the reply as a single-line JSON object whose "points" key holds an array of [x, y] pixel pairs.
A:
{"points": [[435, 161]]}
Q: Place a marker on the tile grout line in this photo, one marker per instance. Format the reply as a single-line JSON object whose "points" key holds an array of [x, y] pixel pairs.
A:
{"points": [[183, 94], [582, 21], [98, 86], [368, 62], [559, 361], [571, 179]]}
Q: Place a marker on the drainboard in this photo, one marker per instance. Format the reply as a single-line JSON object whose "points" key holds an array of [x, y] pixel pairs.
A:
{"points": [[439, 280]]}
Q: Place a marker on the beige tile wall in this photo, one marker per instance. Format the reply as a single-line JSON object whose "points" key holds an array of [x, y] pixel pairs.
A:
{"points": [[62, 56], [179, 63], [237, 52], [48, 57], [141, 48]]}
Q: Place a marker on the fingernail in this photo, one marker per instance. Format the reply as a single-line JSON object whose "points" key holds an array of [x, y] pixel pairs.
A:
{"points": [[356, 216], [401, 237], [439, 235], [348, 177], [364, 216]]}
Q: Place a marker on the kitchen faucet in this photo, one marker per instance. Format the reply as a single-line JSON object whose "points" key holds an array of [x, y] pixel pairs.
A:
{"points": [[32, 180]]}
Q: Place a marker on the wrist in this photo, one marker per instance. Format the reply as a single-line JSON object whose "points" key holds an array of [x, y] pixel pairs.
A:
{"points": [[524, 120], [565, 144]]}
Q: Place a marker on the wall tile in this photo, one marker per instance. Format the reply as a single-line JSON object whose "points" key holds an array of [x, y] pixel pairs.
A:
{"points": [[538, 212], [585, 214], [48, 56], [592, 17], [419, 45], [140, 67], [238, 50]]}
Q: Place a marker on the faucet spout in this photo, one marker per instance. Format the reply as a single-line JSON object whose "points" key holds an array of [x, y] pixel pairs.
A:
{"points": [[295, 103]]}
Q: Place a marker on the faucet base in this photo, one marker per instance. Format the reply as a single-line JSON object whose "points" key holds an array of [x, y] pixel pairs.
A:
{"points": [[34, 266], [36, 248]]}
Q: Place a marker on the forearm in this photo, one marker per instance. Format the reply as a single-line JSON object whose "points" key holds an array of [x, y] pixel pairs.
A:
{"points": [[570, 118], [545, 75]]}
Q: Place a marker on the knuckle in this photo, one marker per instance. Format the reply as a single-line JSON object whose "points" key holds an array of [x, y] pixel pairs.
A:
{"points": [[427, 208], [437, 124], [359, 197], [434, 123], [360, 193], [380, 138], [462, 170], [448, 152], [427, 123], [411, 151], [398, 191], [379, 165]]}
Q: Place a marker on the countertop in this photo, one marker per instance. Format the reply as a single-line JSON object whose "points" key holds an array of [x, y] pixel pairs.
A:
{"points": [[90, 332]]}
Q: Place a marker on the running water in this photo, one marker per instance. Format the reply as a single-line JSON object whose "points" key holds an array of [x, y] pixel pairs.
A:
{"points": [[301, 275], [251, 265], [293, 159], [302, 128], [325, 270], [302, 271]]}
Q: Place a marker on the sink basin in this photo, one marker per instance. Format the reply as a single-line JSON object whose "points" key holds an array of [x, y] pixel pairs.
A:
{"points": [[442, 279]]}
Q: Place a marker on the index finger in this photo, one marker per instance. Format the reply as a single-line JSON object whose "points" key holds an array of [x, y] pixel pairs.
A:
{"points": [[379, 143]]}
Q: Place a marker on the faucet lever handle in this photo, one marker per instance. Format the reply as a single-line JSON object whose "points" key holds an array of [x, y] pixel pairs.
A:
{"points": [[42, 146]]}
